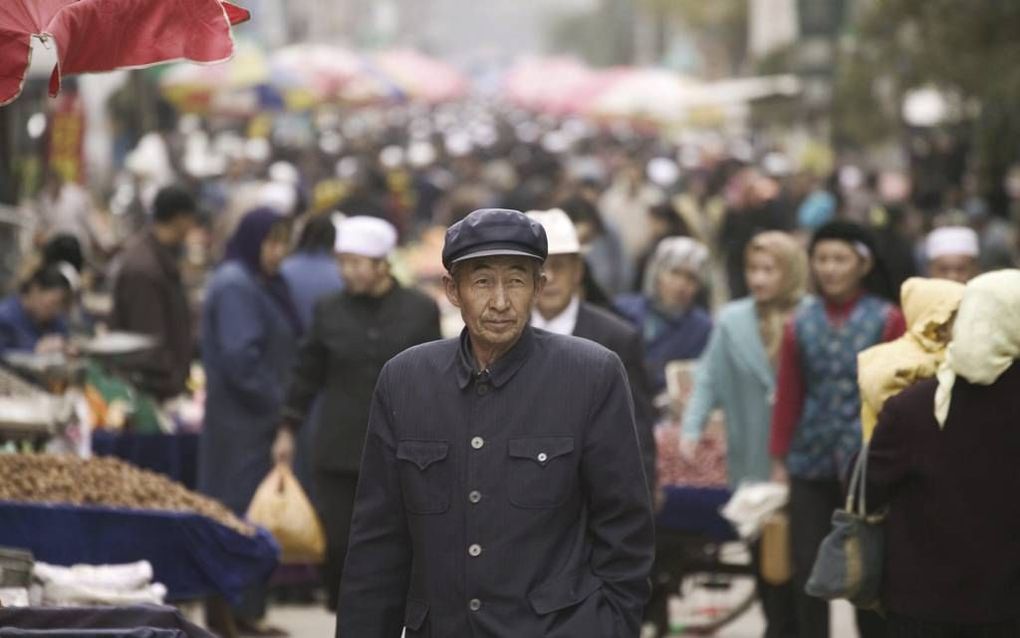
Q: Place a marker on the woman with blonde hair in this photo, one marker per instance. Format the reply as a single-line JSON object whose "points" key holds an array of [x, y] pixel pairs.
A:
{"points": [[738, 374]]}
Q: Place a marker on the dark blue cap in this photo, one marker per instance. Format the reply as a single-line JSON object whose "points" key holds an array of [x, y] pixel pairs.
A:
{"points": [[494, 231]]}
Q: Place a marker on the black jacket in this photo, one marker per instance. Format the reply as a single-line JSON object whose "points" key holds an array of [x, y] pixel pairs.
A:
{"points": [[952, 548], [149, 298], [350, 340], [507, 503], [621, 337]]}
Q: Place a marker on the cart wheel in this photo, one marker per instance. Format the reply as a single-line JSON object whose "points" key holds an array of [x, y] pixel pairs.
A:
{"points": [[709, 601]]}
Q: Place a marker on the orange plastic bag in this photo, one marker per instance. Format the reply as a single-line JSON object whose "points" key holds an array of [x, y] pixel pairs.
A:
{"points": [[283, 508]]}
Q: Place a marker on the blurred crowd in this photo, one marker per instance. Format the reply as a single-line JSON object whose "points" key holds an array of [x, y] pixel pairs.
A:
{"points": [[211, 226]]}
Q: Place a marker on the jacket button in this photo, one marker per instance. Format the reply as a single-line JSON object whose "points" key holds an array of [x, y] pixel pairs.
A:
{"points": [[478, 442], [475, 497], [474, 604], [475, 551], [543, 457], [483, 389]]}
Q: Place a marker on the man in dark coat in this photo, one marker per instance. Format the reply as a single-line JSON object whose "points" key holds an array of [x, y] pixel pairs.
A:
{"points": [[561, 309], [353, 334], [149, 297], [502, 492]]}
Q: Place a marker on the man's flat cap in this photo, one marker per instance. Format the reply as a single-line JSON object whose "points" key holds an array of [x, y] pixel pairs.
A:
{"points": [[494, 231]]}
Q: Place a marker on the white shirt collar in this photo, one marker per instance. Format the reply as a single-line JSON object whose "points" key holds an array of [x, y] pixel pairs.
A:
{"points": [[562, 324]]}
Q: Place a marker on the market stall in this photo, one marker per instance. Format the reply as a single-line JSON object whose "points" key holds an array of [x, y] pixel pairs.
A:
{"points": [[69, 511]]}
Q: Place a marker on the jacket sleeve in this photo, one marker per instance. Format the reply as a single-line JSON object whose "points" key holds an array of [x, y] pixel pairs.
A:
{"points": [[309, 374], [243, 341], [620, 517], [890, 455], [139, 308], [645, 414], [704, 398], [378, 568], [789, 395]]}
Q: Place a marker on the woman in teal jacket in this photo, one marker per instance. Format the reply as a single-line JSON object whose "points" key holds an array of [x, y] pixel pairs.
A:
{"points": [[738, 374]]}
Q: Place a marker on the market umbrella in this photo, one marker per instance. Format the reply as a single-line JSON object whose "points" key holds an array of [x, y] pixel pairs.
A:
{"points": [[237, 86], [103, 35], [319, 69], [421, 77]]}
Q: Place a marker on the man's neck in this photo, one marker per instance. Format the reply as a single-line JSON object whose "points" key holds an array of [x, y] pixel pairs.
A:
{"points": [[486, 355], [165, 236], [382, 288]]}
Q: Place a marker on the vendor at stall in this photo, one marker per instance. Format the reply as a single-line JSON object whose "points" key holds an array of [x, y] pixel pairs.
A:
{"points": [[34, 319]]}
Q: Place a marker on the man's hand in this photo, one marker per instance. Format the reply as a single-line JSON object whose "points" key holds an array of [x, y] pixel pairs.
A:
{"points": [[779, 473], [50, 344], [688, 448], [283, 447]]}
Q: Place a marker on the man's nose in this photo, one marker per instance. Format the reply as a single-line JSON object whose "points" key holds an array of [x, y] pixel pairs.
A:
{"points": [[500, 298]]}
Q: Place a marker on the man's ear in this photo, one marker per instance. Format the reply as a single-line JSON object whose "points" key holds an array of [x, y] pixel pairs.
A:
{"points": [[452, 292], [540, 283]]}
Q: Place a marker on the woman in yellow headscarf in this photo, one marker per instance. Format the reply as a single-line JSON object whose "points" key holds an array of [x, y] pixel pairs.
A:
{"points": [[929, 306]]}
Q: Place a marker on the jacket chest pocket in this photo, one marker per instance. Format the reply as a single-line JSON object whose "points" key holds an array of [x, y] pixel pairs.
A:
{"points": [[542, 471], [425, 476]]}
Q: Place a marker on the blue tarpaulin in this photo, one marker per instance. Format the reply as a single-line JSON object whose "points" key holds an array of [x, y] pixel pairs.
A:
{"points": [[192, 555]]}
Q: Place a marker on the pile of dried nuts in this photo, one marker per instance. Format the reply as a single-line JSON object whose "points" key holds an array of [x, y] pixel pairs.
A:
{"points": [[108, 482]]}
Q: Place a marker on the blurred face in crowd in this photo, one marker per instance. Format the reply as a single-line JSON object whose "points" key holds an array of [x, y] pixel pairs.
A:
{"points": [[563, 274], [180, 228], [275, 249], [838, 269], [764, 276], [677, 287], [364, 275], [495, 297], [44, 305], [958, 268]]}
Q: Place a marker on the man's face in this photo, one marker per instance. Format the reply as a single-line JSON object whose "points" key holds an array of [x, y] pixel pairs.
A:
{"points": [[495, 297], [958, 268], [182, 226], [362, 274], [563, 277], [45, 305]]}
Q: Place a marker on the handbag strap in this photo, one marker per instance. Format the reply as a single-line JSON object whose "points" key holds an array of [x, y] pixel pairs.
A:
{"points": [[857, 489]]}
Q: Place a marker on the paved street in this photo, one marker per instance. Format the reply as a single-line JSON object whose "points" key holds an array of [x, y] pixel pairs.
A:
{"points": [[315, 622]]}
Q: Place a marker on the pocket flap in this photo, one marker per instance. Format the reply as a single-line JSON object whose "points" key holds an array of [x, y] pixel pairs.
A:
{"points": [[541, 449], [563, 591], [415, 612], [422, 453]]}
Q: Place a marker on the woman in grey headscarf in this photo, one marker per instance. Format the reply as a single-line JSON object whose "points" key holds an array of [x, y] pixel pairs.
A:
{"points": [[673, 326]]}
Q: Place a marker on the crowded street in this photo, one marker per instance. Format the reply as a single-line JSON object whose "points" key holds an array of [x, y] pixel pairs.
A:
{"points": [[453, 319]]}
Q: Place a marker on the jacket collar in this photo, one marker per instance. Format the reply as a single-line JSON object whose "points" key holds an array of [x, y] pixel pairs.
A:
{"points": [[501, 370]]}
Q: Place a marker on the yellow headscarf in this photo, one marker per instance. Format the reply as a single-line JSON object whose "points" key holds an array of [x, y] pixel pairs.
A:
{"points": [[792, 262], [986, 337], [887, 369]]}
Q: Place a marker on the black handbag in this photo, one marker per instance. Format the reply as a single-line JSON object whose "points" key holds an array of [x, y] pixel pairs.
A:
{"points": [[849, 562]]}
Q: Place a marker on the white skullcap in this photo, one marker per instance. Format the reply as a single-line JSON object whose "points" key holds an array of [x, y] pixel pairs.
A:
{"points": [[953, 240], [278, 196], [365, 236], [559, 230]]}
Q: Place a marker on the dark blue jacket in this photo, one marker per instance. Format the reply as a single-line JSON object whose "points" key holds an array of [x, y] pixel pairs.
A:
{"points": [[508, 503], [18, 333]]}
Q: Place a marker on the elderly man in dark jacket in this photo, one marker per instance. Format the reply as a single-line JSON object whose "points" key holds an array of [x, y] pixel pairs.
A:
{"points": [[502, 491], [561, 309], [149, 297], [353, 334]]}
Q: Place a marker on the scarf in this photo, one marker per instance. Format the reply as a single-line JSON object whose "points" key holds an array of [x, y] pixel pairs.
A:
{"points": [[885, 370], [245, 247], [792, 262], [986, 337]]}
